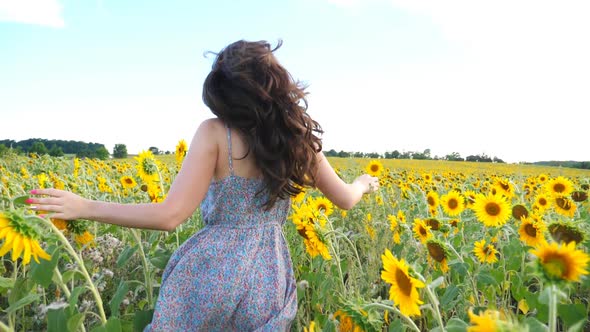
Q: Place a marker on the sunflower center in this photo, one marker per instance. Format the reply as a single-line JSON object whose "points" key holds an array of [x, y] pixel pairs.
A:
{"points": [[563, 203], [436, 252], [519, 211], [453, 204], [493, 209], [128, 180], [422, 231], [542, 201], [555, 265], [303, 234], [403, 281], [565, 234], [433, 223], [530, 230], [430, 201], [322, 207], [559, 188], [374, 168]]}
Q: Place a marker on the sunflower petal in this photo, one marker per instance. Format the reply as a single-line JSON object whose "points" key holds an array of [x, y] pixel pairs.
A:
{"points": [[27, 252], [6, 247], [39, 251], [17, 247]]}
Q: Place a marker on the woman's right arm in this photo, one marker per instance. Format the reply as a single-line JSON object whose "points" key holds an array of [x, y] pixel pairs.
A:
{"points": [[342, 194]]}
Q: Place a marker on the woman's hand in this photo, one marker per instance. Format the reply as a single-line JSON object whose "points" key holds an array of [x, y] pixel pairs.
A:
{"points": [[62, 204], [370, 183]]}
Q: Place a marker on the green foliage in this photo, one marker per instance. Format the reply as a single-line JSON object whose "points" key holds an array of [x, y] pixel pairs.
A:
{"points": [[120, 151], [58, 148]]}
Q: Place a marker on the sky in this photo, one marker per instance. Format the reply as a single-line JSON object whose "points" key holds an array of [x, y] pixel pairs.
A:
{"points": [[509, 79]]}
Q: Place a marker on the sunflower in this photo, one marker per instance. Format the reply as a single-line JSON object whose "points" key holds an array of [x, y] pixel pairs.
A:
{"points": [[315, 244], [322, 205], [491, 210], [181, 149], [453, 203], [404, 288], [21, 237], [469, 196], [519, 211], [504, 187], [561, 261], [432, 199], [566, 232], [564, 206], [531, 232], [374, 168], [60, 223], [542, 178], [484, 322], [128, 182], [542, 202], [346, 323], [147, 166], [485, 254], [438, 252], [84, 239], [421, 230], [560, 186], [579, 196]]}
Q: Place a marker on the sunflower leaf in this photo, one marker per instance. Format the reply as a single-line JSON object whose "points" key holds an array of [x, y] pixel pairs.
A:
{"points": [[20, 201], [30, 298], [6, 282]]}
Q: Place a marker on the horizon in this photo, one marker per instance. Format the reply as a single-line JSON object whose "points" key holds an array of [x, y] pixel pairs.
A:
{"points": [[382, 74], [325, 150]]}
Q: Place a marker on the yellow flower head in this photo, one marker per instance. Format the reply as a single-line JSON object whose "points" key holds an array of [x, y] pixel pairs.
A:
{"points": [[20, 237], [374, 168], [404, 288], [560, 186], [531, 232], [485, 254], [562, 261], [421, 230], [453, 203], [492, 210], [147, 166]]}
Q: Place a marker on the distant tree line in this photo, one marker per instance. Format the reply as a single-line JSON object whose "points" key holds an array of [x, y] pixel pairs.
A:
{"points": [[570, 164], [424, 155], [55, 148]]}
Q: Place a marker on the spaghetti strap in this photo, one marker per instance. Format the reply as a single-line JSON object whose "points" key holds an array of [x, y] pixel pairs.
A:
{"points": [[231, 166]]}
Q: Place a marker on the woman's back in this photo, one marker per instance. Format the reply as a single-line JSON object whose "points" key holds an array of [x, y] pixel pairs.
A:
{"points": [[236, 273]]}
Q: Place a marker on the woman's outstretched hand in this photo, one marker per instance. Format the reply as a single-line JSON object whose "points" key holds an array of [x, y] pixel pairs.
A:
{"points": [[370, 183], [59, 203]]}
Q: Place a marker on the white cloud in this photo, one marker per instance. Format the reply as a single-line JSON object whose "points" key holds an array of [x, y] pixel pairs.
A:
{"points": [[40, 12]]}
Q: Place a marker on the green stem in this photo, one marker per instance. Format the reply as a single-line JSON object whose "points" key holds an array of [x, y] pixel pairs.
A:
{"points": [[434, 301], [394, 310], [61, 283], [351, 245], [80, 262], [552, 308], [471, 279], [337, 259], [146, 274], [5, 328]]}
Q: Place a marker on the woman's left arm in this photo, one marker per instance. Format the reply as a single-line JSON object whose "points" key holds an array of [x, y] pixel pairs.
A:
{"points": [[185, 195]]}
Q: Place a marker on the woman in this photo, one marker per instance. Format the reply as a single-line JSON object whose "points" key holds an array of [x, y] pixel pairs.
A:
{"points": [[242, 167]]}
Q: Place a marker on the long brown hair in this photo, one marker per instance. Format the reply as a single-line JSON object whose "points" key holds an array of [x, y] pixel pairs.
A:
{"points": [[249, 90]]}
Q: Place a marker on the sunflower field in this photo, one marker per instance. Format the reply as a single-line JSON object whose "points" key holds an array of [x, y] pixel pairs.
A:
{"points": [[441, 246]]}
